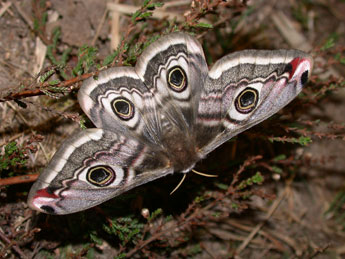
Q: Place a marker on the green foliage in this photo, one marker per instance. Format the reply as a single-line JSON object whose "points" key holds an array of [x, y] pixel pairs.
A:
{"points": [[90, 253], [54, 82], [276, 169], [82, 123], [13, 156], [337, 209], [303, 141], [235, 22], [110, 58], [56, 36], [127, 229], [340, 58], [40, 16], [279, 158], [46, 75], [52, 50], [86, 59], [330, 43], [300, 12], [55, 91], [145, 10], [255, 179], [94, 238], [222, 186], [204, 25], [121, 256], [46, 254], [234, 205], [154, 214], [199, 199], [194, 250]]}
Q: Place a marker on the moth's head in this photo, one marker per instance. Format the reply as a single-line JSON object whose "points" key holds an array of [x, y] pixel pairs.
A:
{"points": [[258, 98]]}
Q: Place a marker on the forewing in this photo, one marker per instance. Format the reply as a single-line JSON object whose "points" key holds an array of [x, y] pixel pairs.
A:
{"points": [[245, 88], [174, 69], [117, 100], [93, 166]]}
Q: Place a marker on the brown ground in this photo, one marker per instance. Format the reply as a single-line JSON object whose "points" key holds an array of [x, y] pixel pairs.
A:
{"points": [[293, 221]]}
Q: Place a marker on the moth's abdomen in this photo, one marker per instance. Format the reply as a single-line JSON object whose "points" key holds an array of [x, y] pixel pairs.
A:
{"points": [[180, 148]]}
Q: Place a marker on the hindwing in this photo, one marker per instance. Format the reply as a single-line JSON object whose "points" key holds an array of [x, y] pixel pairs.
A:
{"points": [[93, 166]]}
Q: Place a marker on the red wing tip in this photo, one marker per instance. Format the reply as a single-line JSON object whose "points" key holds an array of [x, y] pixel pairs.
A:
{"points": [[42, 201]]}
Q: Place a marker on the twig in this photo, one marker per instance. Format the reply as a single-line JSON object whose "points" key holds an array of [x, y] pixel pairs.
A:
{"points": [[115, 29], [19, 179], [175, 4], [24, 15], [12, 244], [318, 251], [40, 54], [297, 39], [157, 14], [4, 8], [269, 235], [211, 255], [246, 163], [36, 92], [291, 35], [99, 27], [260, 225]]}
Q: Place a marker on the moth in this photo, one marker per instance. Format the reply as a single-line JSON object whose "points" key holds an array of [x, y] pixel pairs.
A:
{"points": [[163, 116]]}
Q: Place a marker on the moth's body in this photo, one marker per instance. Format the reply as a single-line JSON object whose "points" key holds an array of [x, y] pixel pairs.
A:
{"points": [[181, 152], [163, 116]]}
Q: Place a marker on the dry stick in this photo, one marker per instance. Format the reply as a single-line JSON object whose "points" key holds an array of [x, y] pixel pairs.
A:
{"points": [[19, 179], [115, 29], [99, 27], [260, 225], [288, 240], [192, 17], [29, 126], [157, 14], [202, 246], [40, 55], [12, 244], [5, 142], [270, 236], [4, 8], [24, 15], [176, 4], [226, 235], [296, 39], [36, 92]]}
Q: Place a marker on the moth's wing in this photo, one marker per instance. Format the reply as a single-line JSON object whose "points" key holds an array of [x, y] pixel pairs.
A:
{"points": [[245, 88], [93, 166], [174, 69], [162, 91], [117, 100]]}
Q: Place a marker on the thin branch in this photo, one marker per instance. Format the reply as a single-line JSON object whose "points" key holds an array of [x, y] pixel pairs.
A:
{"points": [[36, 92], [19, 179], [12, 244], [271, 210]]}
